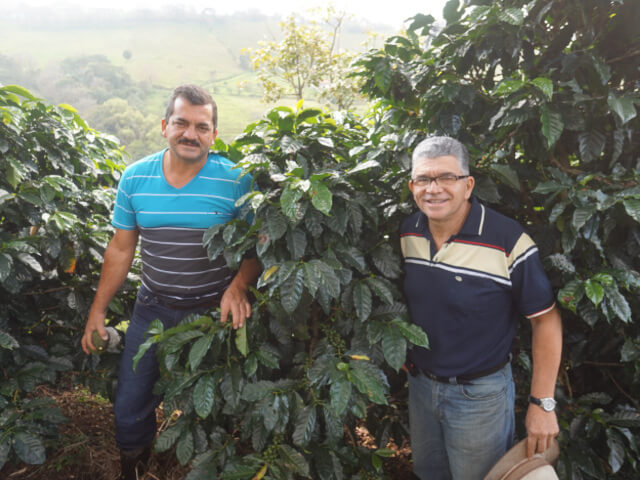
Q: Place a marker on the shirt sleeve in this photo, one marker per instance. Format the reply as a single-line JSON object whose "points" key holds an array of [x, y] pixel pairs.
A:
{"points": [[531, 288], [124, 216]]}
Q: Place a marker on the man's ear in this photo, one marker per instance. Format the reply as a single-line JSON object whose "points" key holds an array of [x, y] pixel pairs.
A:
{"points": [[470, 184], [164, 127]]}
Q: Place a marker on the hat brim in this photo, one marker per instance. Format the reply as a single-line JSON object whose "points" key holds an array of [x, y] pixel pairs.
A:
{"points": [[517, 455]]}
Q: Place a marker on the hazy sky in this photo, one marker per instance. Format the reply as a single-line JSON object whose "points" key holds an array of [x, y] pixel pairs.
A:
{"points": [[390, 13]]}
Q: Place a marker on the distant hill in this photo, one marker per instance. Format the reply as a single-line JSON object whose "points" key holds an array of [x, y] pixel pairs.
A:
{"points": [[156, 50]]}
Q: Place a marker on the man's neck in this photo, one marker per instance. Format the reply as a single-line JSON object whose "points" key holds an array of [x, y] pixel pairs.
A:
{"points": [[178, 172], [443, 230]]}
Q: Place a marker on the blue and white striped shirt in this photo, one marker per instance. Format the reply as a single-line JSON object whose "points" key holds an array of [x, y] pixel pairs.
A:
{"points": [[171, 221]]}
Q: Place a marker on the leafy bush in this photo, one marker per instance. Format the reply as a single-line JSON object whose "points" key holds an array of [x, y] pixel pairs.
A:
{"points": [[328, 332], [55, 201], [545, 95]]}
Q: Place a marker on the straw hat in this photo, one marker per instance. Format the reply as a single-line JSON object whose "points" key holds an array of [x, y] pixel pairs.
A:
{"points": [[515, 465]]}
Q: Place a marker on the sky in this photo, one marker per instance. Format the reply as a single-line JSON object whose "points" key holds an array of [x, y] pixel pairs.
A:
{"points": [[389, 13]]}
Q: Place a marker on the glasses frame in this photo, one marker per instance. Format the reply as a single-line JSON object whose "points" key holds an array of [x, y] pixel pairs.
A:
{"points": [[424, 181]]}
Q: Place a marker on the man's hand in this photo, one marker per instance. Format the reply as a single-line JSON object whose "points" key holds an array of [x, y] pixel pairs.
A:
{"points": [[234, 301], [94, 322], [542, 428]]}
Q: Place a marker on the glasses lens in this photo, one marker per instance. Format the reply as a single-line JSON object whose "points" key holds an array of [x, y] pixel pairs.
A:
{"points": [[447, 179]]}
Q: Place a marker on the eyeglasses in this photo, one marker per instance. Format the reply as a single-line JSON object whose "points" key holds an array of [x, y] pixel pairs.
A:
{"points": [[445, 180]]}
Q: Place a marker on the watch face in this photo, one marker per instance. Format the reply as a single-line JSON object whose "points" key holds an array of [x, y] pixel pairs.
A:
{"points": [[548, 404]]}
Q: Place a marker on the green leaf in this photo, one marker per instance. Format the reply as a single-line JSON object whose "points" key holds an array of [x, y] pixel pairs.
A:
{"points": [[630, 351], [297, 243], [362, 300], [325, 142], [394, 347], [142, 350], [581, 215], [591, 145], [321, 197], [18, 90], [544, 85], [631, 205], [204, 395], [29, 448], [369, 380], [381, 288], [185, 448], [305, 424], [293, 460], [199, 350], [508, 86], [383, 76], [451, 12], [387, 261], [7, 341], [512, 16], [5, 448], [30, 261], [507, 175], [340, 393], [291, 291], [545, 188], [594, 291], [622, 106], [552, 125], [289, 202], [616, 450], [307, 114], [412, 332], [312, 277], [363, 166], [618, 303], [241, 340]]}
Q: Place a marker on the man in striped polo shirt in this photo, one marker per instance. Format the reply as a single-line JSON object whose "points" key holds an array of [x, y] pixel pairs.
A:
{"points": [[470, 275], [168, 200]]}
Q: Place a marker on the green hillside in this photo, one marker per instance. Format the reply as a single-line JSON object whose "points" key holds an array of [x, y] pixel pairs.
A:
{"points": [[84, 58]]}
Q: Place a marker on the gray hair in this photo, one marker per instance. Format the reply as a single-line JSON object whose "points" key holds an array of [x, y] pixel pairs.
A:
{"points": [[434, 147]]}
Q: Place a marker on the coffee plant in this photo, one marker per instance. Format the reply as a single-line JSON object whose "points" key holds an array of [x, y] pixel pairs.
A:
{"points": [[282, 397], [56, 192], [545, 95]]}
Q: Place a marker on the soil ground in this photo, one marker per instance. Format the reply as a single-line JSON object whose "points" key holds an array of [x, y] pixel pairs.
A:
{"points": [[86, 448]]}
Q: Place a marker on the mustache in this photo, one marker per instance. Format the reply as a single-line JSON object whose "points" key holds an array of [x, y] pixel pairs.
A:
{"points": [[192, 143]]}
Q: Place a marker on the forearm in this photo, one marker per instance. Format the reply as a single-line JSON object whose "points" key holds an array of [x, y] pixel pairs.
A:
{"points": [[116, 266], [546, 347], [246, 275]]}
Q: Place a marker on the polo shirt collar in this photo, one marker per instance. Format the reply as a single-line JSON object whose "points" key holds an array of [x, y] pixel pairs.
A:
{"points": [[474, 223]]}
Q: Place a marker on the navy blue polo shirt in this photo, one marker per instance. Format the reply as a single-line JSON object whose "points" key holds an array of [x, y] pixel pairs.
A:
{"points": [[469, 295]]}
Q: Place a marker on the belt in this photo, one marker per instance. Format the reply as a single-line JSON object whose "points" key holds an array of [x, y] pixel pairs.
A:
{"points": [[460, 379]]}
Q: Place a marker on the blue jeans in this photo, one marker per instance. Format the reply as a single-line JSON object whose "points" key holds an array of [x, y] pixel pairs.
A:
{"points": [[135, 403], [460, 431]]}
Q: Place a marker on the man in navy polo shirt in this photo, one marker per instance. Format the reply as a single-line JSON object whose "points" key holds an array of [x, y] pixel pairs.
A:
{"points": [[168, 200], [470, 274]]}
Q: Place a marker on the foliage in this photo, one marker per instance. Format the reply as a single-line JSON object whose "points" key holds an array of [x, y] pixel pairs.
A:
{"points": [[281, 398], [307, 58], [139, 134], [545, 94], [55, 201]]}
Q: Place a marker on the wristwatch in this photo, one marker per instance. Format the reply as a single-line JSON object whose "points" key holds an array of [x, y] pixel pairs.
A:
{"points": [[548, 404]]}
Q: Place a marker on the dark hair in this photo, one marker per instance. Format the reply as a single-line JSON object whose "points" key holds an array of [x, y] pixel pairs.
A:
{"points": [[434, 147], [196, 96]]}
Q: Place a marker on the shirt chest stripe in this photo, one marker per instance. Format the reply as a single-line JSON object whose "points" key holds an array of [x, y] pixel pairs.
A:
{"points": [[463, 271]]}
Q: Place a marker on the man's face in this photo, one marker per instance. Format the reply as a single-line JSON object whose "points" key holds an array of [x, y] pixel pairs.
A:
{"points": [[189, 131], [441, 203]]}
